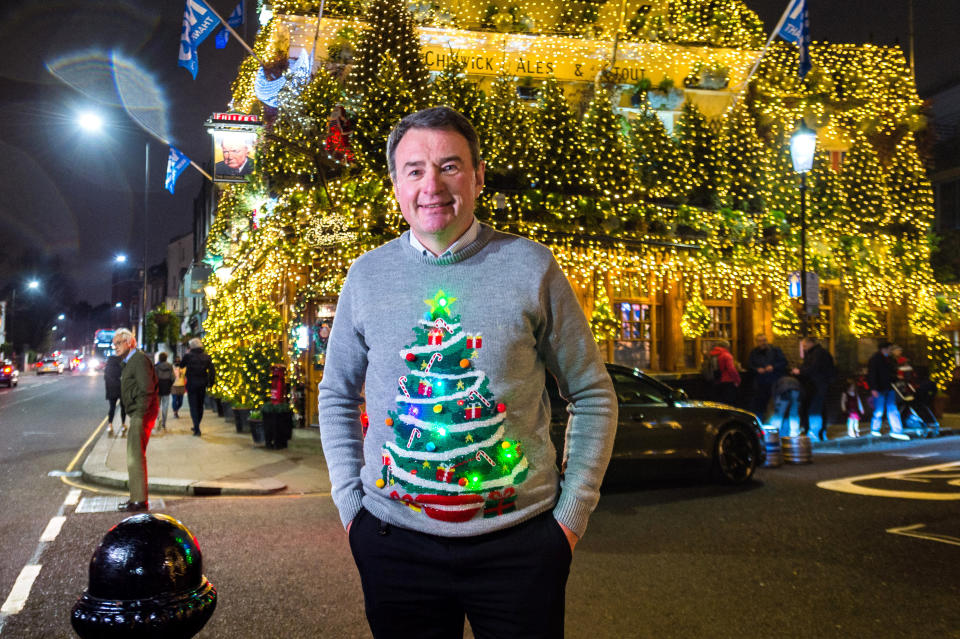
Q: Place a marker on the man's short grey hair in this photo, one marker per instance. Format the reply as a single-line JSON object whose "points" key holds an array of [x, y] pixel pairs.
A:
{"points": [[440, 117], [124, 336], [195, 342]]}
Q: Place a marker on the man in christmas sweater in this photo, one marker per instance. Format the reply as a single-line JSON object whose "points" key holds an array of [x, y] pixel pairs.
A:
{"points": [[452, 500]]}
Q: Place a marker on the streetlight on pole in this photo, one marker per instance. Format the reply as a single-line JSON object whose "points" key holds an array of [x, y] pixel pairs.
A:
{"points": [[92, 122], [803, 144]]}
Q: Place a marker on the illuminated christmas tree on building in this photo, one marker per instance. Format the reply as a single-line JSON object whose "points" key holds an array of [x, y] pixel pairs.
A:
{"points": [[450, 457]]}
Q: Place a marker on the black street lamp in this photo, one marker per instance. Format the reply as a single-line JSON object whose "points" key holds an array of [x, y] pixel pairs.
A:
{"points": [[803, 143]]}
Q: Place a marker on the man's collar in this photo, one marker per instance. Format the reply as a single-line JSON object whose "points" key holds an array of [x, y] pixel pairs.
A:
{"points": [[458, 244], [129, 355]]}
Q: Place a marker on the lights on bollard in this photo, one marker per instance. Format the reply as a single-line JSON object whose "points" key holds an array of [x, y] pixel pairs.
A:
{"points": [[146, 581]]}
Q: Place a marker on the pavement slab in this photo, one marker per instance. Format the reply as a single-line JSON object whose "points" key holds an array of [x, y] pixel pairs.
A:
{"points": [[220, 462]]}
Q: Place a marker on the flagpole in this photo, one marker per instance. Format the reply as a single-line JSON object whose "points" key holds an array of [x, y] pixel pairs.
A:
{"points": [[763, 51], [226, 25], [202, 172]]}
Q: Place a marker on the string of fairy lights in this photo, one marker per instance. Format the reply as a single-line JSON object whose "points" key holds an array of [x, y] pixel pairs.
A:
{"points": [[624, 203]]}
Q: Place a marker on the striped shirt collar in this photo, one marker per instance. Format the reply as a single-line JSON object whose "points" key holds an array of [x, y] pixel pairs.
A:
{"points": [[460, 243]]}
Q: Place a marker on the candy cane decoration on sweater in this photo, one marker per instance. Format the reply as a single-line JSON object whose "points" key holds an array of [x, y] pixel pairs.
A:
{"points": [[436, 357], [439, 323], [415, 433], [403, 386], [481, 455], [474, 394]]}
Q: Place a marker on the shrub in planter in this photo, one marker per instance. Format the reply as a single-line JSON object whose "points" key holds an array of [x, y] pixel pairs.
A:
{"points": [[277, 425], [241, 418], [256, 426]]}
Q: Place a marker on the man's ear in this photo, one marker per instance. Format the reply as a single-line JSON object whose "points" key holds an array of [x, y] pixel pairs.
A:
{"points": [[479, 175]]}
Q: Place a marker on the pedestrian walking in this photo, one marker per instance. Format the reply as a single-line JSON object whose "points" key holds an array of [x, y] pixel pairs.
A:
{"points": [[881, 375], [852, 407], [179, 388], [726, 376], [111, 379], [816, 372], [165, 375], [200, 376], [786, 406], [452, 502], [768, 364], [138, 390]]}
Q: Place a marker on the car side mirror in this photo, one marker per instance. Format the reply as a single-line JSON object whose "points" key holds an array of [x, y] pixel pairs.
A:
{"points": [[678, 395]]}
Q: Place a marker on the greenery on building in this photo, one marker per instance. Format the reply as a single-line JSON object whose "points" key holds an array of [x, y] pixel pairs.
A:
{"points": [[712, 202]]}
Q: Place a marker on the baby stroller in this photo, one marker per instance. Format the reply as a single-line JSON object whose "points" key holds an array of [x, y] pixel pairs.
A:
{"points": [[917, 418]]}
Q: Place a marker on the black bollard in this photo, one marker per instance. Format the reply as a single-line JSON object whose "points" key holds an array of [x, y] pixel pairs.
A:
{"points": [[146, 581]]}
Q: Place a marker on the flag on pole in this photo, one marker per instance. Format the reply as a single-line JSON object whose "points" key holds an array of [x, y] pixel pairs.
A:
{"points": [[235, 20], [795, 27], [199, 22], [176, 163]]}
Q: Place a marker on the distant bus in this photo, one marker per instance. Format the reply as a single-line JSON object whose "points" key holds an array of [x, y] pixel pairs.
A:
{"points": [[103, 346]]}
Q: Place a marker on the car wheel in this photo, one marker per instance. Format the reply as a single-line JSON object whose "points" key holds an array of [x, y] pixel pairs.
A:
{"points": [[734, 456]]}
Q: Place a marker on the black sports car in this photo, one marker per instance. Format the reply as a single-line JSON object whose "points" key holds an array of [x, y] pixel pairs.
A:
{"points": [[660, 424]]}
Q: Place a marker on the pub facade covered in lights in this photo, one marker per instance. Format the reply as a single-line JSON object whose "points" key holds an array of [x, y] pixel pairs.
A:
{"points": [[617, 134]]}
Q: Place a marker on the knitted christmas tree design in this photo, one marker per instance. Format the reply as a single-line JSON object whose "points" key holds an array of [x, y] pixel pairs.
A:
{"points": [[450, 457]]}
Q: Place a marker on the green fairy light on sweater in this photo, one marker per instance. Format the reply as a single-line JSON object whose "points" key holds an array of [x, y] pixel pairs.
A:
{"points": [[450, 456]]}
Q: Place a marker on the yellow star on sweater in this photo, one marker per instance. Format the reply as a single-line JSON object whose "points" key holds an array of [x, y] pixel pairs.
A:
{"points": [[468, 438], [442, 302], [426, 464]]}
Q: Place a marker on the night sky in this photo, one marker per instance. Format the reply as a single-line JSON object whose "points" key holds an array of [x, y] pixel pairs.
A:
{"points": [[76, 196]]}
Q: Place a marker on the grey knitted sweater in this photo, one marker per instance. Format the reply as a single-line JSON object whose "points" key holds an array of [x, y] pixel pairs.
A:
{"points": [[450, 356]]}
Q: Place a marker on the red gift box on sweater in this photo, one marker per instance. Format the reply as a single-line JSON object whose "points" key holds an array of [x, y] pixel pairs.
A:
{"points": [[435, 337], [474, 341], [425, 388], [472, 411]]}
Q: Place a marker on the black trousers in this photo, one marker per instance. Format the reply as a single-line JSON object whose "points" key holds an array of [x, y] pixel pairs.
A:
{"points": [[113, 411], [510, 584], [195, 397]]}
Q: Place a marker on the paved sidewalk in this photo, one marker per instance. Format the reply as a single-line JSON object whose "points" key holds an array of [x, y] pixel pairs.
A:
{"points": [[225, 462], [221, 462]]}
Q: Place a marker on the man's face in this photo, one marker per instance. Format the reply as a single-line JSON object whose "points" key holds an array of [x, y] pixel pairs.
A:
{"points": [[234, 153], [121, 346], [762, 340], [436, 184]]}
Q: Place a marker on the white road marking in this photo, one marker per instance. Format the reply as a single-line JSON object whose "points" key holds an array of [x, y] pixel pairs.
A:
{"points": [[913, 455], [28, 399], [21, 590], [73, 497], [908, 531], [53, 528], [850, 484]]}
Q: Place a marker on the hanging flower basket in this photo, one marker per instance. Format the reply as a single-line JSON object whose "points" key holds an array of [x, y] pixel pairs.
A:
{"points": [[695, 319], [665, 100]]}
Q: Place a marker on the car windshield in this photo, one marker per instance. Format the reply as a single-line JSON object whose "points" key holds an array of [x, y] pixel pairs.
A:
{"points": [[634, 390]]}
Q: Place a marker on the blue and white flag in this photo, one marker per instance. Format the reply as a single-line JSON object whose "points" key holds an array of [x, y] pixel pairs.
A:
{"points": [[235, 20], [199, 21], [795, 28], [176, 163]]}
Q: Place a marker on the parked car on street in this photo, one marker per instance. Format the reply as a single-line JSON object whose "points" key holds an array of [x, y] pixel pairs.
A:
{"points": [[49, 365], [660, 429], [9, 374]]}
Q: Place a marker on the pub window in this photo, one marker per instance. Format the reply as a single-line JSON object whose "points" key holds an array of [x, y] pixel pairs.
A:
{"points": [[721, 328], [634, 344], [822, 326]]}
